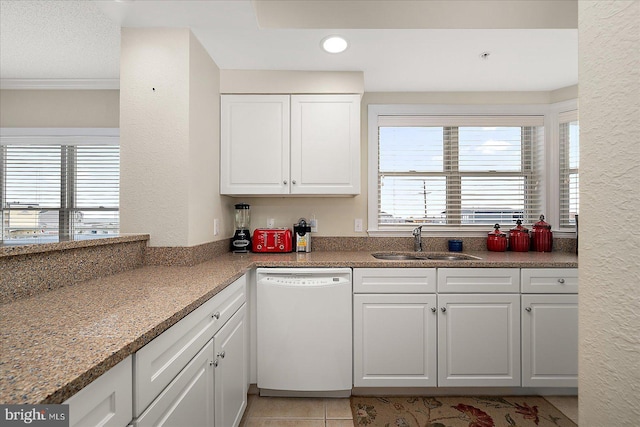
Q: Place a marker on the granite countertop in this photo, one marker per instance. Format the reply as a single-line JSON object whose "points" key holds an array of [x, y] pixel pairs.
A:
{"points": [[57, 342]]}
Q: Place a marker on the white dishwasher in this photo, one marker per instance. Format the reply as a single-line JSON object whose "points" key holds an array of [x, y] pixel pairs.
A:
{"points": [[304, 331]]}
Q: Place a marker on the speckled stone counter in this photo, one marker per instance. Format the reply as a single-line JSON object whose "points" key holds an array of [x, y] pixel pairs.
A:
{"points": [[57, 342], [29, 269]]}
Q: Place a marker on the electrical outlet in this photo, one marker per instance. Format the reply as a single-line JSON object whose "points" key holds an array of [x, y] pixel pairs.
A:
{"points": [[271, 223], [216, 226], [357, 225], [313, 223]]}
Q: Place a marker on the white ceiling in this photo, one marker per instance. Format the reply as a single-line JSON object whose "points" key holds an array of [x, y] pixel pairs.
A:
{"points": [[531, 48]]}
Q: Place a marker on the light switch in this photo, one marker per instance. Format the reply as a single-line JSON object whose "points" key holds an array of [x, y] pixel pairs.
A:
{"points": [[357, 225], [216, 226]]}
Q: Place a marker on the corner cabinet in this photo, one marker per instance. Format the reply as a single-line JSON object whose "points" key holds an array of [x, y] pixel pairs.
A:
{"points": [[290, 144]]}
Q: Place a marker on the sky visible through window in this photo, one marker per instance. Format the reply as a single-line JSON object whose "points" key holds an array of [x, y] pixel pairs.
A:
{"points": [[414, 163], [33, 186]]}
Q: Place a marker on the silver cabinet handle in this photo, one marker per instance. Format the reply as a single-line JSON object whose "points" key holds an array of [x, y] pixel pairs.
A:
{"points": [[528, 309], [284, 182], [293, 182], [433, 309], [221, 354], [561, 281], [214, 363], [215, 315], [443, 309]]}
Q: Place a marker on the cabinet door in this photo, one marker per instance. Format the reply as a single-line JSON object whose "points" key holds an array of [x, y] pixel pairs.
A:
{"points": [[394, 340], [159, 362], [254, 144], [188, 399], [325, 144], [479, 340], [106, 401], [231, 370], [550, 340]]}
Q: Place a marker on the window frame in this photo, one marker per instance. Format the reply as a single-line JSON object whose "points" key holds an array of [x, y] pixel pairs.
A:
{"points": [[550, 193], [68, 139]]}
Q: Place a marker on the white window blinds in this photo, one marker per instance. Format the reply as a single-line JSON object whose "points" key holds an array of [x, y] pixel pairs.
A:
{"points": [[58, 182], [459, 171], [569, 168]]}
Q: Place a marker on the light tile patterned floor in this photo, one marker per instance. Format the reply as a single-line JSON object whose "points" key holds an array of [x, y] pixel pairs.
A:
{"points": [[568, 405], [310, 412], [296, 412]]}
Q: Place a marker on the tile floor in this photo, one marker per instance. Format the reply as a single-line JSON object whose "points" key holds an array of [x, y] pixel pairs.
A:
{"points": [[310, 412], [296, 412]]}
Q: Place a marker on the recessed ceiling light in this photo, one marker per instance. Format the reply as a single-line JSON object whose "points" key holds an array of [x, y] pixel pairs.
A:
{"points": [[334, 44]]}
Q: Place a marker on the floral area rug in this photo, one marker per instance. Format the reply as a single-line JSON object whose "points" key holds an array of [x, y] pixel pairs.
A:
{"points": [[491, 411]]}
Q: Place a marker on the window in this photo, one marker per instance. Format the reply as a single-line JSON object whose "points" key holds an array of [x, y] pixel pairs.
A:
{"points": [[458, 171], [569, 168], [58, 183]]}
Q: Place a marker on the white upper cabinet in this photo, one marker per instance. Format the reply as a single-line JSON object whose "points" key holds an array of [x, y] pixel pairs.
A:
{"points": [[325, 144], [290, 144], [254, 144]]}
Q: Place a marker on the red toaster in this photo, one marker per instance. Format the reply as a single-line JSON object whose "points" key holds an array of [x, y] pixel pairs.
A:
{"points": [[271, 240]]}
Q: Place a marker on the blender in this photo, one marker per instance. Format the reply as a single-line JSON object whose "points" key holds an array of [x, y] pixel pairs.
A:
{"points": [[241, 240]]}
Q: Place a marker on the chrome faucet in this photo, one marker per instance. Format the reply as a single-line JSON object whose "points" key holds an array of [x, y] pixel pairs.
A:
{"points": [[417, 239]]}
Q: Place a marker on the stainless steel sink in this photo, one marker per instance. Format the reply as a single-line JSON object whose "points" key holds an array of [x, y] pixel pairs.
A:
{"points": [[423, 256]]}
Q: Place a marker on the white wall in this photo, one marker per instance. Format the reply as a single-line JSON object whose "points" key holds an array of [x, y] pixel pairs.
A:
{"points": [[205, 203], [59, 108], [609, 73], [169, 138]]}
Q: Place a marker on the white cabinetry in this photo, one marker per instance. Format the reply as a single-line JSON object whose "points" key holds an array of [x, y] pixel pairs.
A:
{"points": [[479, 340], [188, 400], [549, 328], [106, 401], [394, 332], [479, 333], [231, 352], [195, 373], [290, 144]]}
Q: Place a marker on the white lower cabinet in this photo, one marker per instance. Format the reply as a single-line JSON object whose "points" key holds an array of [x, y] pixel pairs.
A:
{"points": [[492, 327], [231, 360], [212, 389], [193, 384], [105, 402], [550, 340], [479, 340], [394, 340], [188, 399]]}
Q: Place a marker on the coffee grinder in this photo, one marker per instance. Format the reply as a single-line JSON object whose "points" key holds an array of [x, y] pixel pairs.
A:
{"points": [[241, 240]]}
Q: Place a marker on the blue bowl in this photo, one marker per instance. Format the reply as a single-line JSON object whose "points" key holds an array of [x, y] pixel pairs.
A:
{"points": [[455, 245]]}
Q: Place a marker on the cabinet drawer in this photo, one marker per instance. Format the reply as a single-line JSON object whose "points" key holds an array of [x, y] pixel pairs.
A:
{"points": [[550, 280], [479, 280], [394, 280], [160, 361]]}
